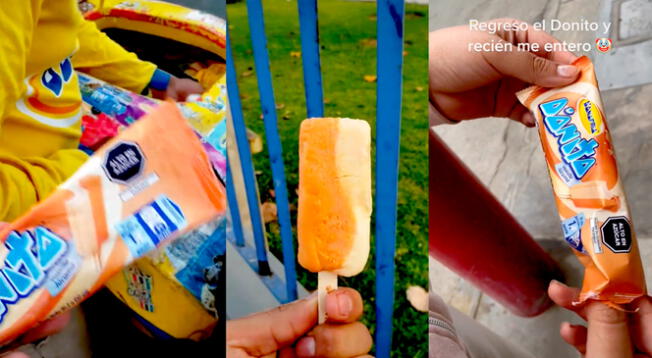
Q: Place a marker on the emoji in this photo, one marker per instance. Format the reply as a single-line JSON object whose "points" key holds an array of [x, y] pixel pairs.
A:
{"points": [[603, 44]]}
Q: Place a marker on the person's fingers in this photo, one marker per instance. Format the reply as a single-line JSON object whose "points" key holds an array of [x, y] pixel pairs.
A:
{"points": [[575, 335], [330, 340], [520, 114], [343, 305], [541, 43], [287, 352], [564, 296], [608, 333], [273, 330], [529, 67], [14, 355], [47, 328], [641, 324], [528, 119], [181, 88]]}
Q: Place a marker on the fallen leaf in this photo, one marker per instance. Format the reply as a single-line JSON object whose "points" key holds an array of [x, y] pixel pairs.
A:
{"points": [[368, 42], [405, 53], [269, 212], [327, 101], [372, 17], [280, 105], [370, 78], [246, 73], [419, 88], [418, 298], [295, 54]]}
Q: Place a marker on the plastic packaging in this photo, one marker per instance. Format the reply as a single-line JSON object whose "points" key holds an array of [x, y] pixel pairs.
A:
{"points": [[588, 191], [134, 194]]}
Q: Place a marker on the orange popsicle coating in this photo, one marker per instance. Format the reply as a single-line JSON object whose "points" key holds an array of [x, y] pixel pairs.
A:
{"points": [[334, 195]]}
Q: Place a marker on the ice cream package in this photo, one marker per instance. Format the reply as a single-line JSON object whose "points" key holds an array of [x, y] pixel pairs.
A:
{"points": [[588, 191], [147, 186], [109, 109]]}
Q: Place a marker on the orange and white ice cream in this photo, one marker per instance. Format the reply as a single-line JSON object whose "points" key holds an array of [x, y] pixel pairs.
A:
{"points": [[334, 195], [143, 188], [588, 191]]}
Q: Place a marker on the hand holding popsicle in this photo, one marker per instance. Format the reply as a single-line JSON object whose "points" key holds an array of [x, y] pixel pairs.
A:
{"points": [[291, 330]]}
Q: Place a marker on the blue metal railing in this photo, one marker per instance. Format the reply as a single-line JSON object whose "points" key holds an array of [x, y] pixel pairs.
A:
{"points": [[309, 30], [390, 17], [388, 131]]}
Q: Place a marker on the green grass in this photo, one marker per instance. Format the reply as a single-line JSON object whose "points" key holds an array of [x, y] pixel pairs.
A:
{"points": [[348, 53]]}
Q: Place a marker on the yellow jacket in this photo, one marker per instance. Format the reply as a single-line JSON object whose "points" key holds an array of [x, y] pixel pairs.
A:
{"points": [[40, 102]]}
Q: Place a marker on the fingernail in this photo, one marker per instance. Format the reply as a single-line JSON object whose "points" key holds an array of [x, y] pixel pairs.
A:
{"points": [[305, 347], [344, 305], [567, 70]]}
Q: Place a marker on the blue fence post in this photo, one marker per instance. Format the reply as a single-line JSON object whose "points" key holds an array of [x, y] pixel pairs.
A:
{"points": [[234, 209], [309, 28], [388, 127], [264, 77], [245, 161]]}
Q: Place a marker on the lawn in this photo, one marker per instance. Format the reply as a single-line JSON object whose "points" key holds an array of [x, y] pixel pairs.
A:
{"points": [[348, 53]]}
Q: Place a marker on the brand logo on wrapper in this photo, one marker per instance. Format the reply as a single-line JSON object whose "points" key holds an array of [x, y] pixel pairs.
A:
{"points": [[590, 116], [29, 264], [577, 153]]}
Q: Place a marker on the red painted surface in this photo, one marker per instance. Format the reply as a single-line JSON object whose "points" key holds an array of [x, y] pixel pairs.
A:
{"points": [[475, 236]]}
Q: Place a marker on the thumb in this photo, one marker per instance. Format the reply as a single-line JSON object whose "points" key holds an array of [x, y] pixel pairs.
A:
{"points": [[267, 332], [531, 68], [608, 334]]}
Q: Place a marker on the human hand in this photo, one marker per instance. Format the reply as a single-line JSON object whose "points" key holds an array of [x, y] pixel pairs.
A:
{"points": [[47, 328], [178, 89], [291, 330], [610, 332], [465, 84]]}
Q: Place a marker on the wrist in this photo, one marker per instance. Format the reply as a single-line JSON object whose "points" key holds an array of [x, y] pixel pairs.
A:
{"points": [[160, 80]]}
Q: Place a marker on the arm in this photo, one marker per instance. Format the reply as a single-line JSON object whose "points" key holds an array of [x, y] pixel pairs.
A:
{"points": [[101, 57], [23, 181]]}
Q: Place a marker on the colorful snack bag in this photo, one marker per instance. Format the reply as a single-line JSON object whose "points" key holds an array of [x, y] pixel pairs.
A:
{"points": [[588, 191], [148, 185]]}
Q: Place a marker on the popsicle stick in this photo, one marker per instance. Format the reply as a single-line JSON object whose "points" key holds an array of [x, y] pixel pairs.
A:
{"points": [[326, 282]]}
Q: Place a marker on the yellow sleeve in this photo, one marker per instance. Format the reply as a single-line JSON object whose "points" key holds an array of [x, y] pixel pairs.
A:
{"points": [[25, 181], [101, 57], [17, 19]]}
